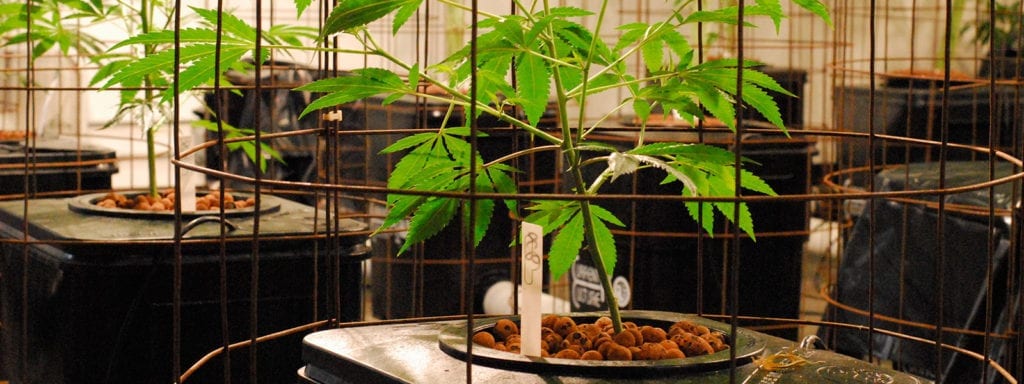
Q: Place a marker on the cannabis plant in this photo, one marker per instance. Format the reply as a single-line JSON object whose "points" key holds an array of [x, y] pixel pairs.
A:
{"points": [[156, 64], [553, 56], [143, 66]]}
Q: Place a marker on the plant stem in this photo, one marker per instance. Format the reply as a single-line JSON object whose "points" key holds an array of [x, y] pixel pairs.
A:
{"points": [[151, 160], [146, 14], [573, 158]]}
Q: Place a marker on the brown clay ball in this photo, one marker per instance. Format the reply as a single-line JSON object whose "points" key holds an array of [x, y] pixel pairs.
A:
{"points": [[484, 338], [652, 334], [565, 325], [548, 321], [618, 353], [505, 328], [594, 341], [568, 354], [674, 354]]}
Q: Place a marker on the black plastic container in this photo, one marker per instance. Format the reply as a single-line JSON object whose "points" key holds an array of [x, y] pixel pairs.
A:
{"points": [[56, 165], [904, 253], [99, 294], [914, 110]]}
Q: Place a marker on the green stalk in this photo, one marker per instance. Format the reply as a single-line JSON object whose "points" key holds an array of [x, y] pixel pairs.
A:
{"points": [[151, 161], [573, 158], [145, 13]]}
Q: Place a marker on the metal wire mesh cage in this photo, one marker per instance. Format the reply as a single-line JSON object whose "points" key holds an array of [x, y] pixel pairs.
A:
{"points": [[344, 187]]}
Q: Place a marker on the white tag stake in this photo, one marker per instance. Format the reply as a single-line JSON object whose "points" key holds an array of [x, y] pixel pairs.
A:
{"points": [[188, 178], [533, 280]]}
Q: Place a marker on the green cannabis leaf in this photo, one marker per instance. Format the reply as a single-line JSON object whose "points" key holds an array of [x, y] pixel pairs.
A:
{"points": [[59, 24], [439, 161], [198, 48], [566, 219], [247, 146], [351, 14]]}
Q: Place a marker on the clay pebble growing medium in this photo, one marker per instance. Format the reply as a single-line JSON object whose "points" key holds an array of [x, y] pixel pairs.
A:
{"points": [[165, 202], [562, 338]]}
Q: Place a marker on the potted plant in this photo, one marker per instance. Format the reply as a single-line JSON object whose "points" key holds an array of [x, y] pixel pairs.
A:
{"points": [[151, 77], [67, 28], [553, 55], [112, 272], [1001, 33]]}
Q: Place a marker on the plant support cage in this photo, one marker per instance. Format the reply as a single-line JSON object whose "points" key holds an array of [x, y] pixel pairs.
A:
{"points": [[891, 252]]}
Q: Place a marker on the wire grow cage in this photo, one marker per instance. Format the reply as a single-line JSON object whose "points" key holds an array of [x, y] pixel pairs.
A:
{"points": [[928, 120], [853, 196]]}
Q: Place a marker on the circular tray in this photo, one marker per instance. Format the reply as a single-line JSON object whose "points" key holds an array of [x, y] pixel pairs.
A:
{"points": [[86, 204], [747, 345]]}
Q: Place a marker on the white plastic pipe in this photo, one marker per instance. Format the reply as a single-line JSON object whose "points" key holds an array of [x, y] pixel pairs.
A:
{"points": [[498, 300]]}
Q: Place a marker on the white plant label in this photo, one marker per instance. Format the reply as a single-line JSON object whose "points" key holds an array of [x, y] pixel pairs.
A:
{"points": [[188, 179], [533, 280]]}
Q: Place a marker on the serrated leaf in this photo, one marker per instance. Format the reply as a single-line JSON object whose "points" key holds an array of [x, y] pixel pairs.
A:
{"points": [[746, 222], [764, 81], [484, 214], [582, 41], [715, 102], [605, 242], [602, 83], [201, 71], [653, 55], [431, 217], [414, 78], [408, 142], [632, 32], [816, 7], [572, 77], [703, 214], [755, 183], [502, 183], [566, 12], [300, 7], [677, 43], [351, 14], [772, 9], [492, 86], [702, 155], [552, 214], [229, 23], [292, 34], [660, 149], [426, 160], [605, 215], [187, 35], [765, 105], [345, 89], [642, 108], [512, 30], [392, 98], [434, 177], [534, 86], [566, 247], [727, 15], [139, 69], [403, 15]]}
